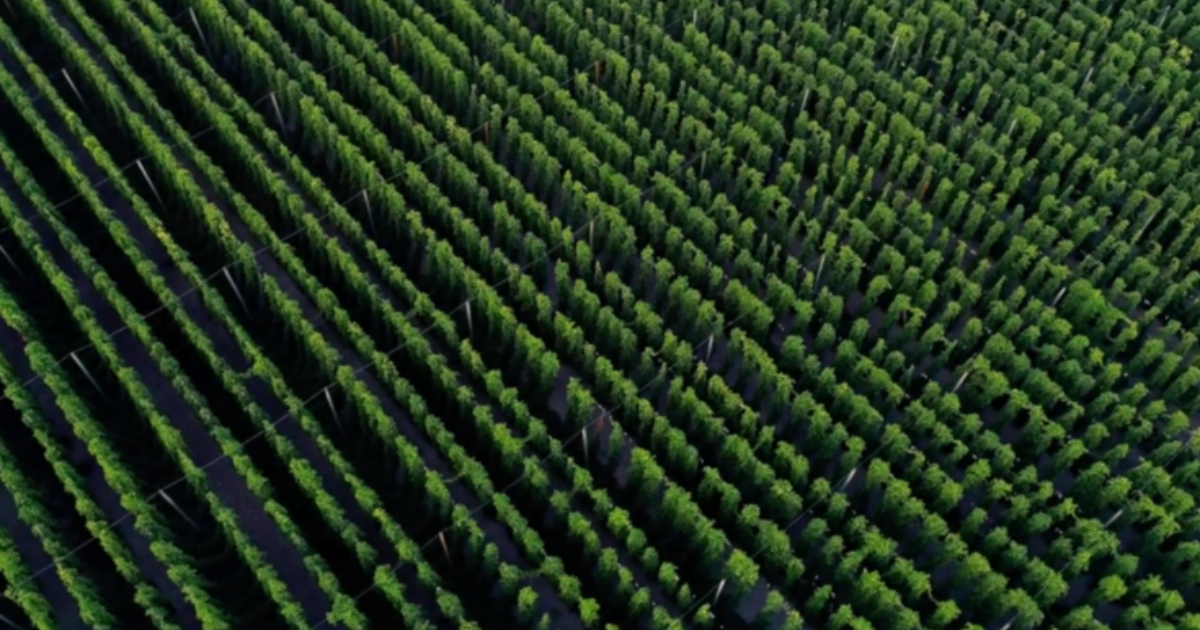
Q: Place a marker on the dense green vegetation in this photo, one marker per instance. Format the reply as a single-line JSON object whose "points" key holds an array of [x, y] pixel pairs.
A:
{"points": [[596, 316]]}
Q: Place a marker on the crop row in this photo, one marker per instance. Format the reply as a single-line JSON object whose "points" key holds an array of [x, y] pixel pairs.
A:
{"points": [[538, 314]]}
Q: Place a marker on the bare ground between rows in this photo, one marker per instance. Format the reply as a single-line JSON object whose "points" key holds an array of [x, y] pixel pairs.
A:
{"points": [[49, 583], [28, 545], [407, 427], [99, 489], [276, 408], [331, 481], [504, 542], [438, 346], [129, 348], [202, 449], [557, 402]]}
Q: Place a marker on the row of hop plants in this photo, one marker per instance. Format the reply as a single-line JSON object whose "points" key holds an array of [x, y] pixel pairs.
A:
{"points": [[464, 465], [16, 572], [376, 101], [275, 296], [345, 610], [92, 608], [180, 566], [21, 585]]}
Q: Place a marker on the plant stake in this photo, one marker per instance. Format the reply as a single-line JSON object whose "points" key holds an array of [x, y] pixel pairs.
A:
{"points": [[370, 212], [153, 188], [336, 417], [88, 374], [279, 116], [171, 502], [11, 262], [961, 379], [203, 39], [470, 320], [445, 547], [236, 290], [75, 89]]}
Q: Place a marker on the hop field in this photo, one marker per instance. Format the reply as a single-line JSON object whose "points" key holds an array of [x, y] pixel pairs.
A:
{"points": [[606, 315]]}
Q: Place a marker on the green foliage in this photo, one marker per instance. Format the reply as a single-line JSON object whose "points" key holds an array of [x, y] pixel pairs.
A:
{"points": [[779, 260]]}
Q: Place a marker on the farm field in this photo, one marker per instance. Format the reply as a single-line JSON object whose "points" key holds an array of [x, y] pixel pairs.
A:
{"points": [[605, 315]]}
